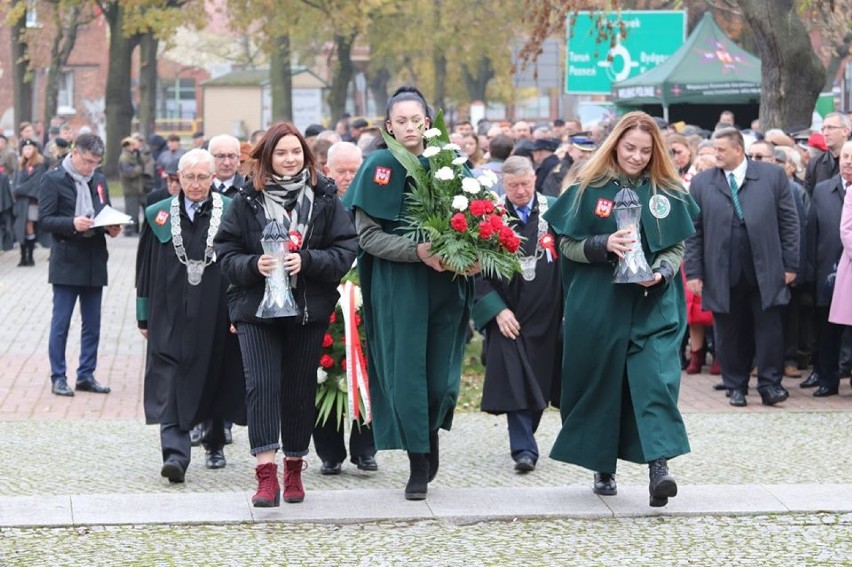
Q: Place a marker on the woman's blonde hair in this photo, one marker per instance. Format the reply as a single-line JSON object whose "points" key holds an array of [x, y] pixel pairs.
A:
{"points": [[603, 165]]}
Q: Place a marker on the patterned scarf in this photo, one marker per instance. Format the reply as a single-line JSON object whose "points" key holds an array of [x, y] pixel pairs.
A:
{"points": [[289, 200]]}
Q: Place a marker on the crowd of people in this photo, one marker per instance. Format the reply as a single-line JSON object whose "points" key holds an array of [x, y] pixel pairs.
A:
{"points": [[747, 237]]}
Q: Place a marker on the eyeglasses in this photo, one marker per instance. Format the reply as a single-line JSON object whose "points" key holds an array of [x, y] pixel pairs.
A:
{"points": [[223, 157], [198, 178], [759, 157], [830, 127]]}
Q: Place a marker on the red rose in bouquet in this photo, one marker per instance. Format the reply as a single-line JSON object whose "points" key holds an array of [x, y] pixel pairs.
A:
{"points": [[509, 239], [481, 207], [327, 341], [459, 222], [326, 361]]}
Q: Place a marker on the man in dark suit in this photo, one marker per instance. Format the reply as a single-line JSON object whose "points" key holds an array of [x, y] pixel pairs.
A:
{"points": [[226, 151], [824, 251], [71, 195], [741, 259]]}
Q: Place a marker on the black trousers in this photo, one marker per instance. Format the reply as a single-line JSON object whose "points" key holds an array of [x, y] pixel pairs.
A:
{"points": [[829, 340], [330, 445], [280, 361], [797, 329], [748, 335]]}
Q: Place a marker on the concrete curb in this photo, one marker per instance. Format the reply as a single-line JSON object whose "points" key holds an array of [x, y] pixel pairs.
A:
{"points": [[458, 505]]}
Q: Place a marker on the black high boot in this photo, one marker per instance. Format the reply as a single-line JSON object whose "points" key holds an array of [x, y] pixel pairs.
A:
{"points": [[419, 478], [662, 485], [434, 457], [23, 247], [30, 246]]}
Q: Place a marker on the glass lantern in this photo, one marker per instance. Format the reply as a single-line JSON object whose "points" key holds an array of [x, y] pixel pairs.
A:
{"points": [[278, 300], [633, 268]]}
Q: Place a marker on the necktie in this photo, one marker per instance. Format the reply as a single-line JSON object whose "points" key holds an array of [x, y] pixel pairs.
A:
{"points": [[195, 208], [735, 189], [523, 213], [222, 188]]}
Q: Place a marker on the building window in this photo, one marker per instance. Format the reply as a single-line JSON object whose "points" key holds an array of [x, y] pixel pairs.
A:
{"points": [[179, 100], [65, 96], [32, 14]]}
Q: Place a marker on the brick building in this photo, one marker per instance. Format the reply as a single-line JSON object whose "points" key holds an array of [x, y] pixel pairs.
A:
{"points": [[82, 85]]}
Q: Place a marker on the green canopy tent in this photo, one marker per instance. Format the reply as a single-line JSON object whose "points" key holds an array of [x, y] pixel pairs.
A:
{"points": [[708, 69]]}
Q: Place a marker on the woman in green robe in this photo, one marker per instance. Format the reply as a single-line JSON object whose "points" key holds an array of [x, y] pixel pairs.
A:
{"points": [[621, 368], [416, 313]]}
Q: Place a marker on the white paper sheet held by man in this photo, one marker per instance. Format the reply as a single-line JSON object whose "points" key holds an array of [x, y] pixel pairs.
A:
{"points": [[109, 216]]}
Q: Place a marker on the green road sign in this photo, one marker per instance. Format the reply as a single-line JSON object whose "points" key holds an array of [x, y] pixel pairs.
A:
{"points": [[652, 37]]}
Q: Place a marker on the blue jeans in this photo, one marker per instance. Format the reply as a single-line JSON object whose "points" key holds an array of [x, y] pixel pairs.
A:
{"points": [[64, 299], [522, 427]]}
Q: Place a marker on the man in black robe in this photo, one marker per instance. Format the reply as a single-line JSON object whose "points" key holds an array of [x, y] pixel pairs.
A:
{"points": [[522, 319], [194, 368]]}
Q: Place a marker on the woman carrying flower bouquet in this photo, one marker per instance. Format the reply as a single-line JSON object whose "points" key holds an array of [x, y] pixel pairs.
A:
{"points": [[280, 354], [416, 312], [621, 365]]}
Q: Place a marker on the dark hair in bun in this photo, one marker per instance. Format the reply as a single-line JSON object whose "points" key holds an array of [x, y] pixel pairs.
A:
{"points": [[403, 94]]}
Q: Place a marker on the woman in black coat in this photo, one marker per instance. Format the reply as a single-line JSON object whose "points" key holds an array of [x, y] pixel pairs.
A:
{"points": [[25, 191], [281, 354]]}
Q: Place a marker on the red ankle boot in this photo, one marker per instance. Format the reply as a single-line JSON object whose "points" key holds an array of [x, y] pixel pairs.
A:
{"points": [[268, 493], [293, 489], [696, 359], [715, 369]]}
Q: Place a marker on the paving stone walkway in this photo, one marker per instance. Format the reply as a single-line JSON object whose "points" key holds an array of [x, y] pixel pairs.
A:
{"points": [[82, 473]]}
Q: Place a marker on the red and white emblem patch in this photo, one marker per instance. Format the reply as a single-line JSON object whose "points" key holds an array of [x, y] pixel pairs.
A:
{"points": [[604, 208], [382, 175], [161, 218]]}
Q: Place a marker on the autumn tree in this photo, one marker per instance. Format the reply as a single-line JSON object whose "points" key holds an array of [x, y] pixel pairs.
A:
{"points": [[130, 22], [792, 74], [22, 89], [67, 17], [276, 27]]}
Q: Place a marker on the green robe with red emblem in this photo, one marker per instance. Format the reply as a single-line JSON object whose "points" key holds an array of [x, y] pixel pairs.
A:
{"points": [[415, 320], [621, 367]]}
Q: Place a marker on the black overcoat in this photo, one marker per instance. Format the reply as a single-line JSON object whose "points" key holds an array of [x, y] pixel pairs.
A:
{"points": [[824, 245], [25, 189], [823, 167], [772, 224]]}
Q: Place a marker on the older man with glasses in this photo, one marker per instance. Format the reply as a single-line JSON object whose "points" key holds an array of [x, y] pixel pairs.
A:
{"points": [[835, 129], [194, 368], [226, 153]]}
